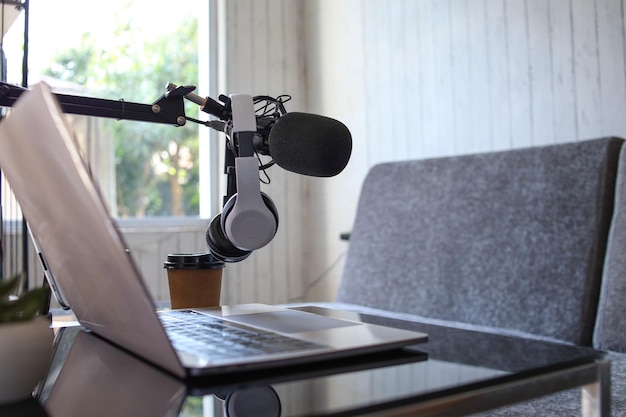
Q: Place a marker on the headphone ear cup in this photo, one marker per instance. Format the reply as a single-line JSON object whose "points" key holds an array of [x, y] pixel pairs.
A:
{"points": [[231, 203], [269, 230], [220, 246]]}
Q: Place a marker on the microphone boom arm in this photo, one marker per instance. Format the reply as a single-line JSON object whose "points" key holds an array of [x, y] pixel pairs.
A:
{"points": [[167, 109]]}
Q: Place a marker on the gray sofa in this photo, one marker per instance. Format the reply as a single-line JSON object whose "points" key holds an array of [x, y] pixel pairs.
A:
{"points": [[529, 242]]}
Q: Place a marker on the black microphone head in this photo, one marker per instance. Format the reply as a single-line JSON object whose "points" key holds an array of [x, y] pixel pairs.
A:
{"points": [[310, 144]]}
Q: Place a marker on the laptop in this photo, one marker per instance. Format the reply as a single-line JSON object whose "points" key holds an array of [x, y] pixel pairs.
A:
{"points": [[99, 280]]}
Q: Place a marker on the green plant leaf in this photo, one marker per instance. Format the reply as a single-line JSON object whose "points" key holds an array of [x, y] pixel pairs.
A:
{"points": [[7, 286], [24, 308]]}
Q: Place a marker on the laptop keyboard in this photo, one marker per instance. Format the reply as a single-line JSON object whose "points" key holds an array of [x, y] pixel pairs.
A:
{"points": [[212, 338]]}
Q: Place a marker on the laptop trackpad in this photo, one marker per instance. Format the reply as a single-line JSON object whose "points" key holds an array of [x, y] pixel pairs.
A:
{"points": [[290, 321]]}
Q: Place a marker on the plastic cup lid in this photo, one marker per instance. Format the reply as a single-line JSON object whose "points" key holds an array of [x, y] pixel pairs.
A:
{"points": [[199, 260]]}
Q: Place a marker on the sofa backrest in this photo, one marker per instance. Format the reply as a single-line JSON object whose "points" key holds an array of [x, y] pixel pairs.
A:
{"points": [[513, 239], [610, 331]]}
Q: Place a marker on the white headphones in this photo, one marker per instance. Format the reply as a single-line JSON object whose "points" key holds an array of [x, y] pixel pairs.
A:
{"points": [[249, 219]]}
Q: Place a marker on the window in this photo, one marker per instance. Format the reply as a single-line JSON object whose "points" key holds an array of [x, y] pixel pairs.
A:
{"points": [[126, 50]]}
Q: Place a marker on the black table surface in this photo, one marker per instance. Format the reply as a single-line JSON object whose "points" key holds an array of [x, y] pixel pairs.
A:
{"points": [[91, 377]]}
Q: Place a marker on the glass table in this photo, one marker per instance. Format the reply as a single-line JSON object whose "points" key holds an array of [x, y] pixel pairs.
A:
{"points": [[457, 372]]}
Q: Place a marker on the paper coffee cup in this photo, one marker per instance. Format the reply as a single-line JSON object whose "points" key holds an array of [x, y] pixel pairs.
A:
{"points": [[195, 279]]}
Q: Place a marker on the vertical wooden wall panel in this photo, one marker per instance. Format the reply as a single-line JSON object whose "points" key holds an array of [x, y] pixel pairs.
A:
{"points": [[398, 101], [425, 58], [328, 36], [413, 109], [611, 60], [541, 90], [519, 73], [382, 101], [563, 77], [443, 99], [461, 48], [373, 110], [478, 133], [586, 68], [498, 75]]}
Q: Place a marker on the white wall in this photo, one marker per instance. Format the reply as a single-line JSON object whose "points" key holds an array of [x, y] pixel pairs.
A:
{"points": [[429, 78]]}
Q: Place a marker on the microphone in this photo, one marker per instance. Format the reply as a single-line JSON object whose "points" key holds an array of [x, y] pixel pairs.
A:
{"points": [[310, 144], [302, 143]]}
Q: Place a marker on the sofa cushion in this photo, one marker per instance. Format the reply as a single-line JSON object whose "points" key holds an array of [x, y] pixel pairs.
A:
{"points": [[511, 239], [610, 332]]}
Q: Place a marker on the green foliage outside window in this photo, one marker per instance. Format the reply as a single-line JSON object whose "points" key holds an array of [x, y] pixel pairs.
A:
{"points": [[156, 166]]}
